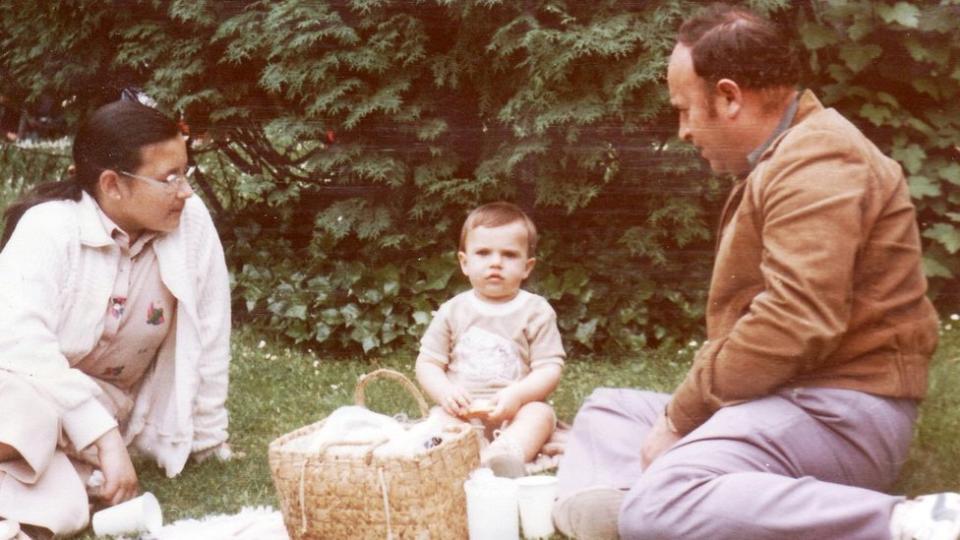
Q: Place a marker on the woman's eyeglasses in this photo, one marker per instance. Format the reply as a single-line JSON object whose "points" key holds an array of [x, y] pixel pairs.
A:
{"points": [[172, 182]]}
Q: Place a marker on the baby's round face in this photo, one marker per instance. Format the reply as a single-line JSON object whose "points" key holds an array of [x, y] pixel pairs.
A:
{"points": [[496, 261]]}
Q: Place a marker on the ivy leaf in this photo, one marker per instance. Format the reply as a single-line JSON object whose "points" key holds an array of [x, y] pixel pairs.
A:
{"points": [[320, 287], [371, 296], [922, 52], [946, 234], [574, 279], [877, 115], [839, 73], [951, 173], [439, 271], [858, 56], [904, 13], [331, 316], [927, 85], [350, 313], [585, 332], [934, 268], [550, 287], [298, 331], [911, 156], [369, 342], [297, 311], [321, 331], [921, 186], [920, 126], [389, 278], [890, 100], [861, 27], [816, 36]]}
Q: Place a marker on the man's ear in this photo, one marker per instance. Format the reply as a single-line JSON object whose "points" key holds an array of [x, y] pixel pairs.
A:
{"points": [[729, 97], [109, 184]]}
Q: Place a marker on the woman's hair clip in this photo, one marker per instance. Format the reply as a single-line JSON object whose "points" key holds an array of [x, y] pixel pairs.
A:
{"points": [[134, 93]]}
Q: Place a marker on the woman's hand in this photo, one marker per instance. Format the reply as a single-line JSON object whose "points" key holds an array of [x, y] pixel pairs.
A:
{"points": [[120, 479]]}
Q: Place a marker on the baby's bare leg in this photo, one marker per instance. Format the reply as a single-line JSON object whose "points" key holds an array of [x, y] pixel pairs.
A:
{"points": [[531, 427]]}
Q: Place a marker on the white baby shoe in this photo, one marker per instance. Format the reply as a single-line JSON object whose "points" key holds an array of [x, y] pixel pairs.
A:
{"points": [[928, 517]]}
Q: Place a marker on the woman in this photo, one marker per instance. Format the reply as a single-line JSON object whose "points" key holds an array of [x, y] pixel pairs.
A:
{"points": [[115, 310]]}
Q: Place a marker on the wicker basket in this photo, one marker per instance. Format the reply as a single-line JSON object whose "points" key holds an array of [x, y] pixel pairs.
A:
{"points": [[332, 496]]}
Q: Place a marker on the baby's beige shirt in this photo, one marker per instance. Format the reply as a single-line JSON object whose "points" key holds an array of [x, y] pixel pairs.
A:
{"points": [[485, 346]]}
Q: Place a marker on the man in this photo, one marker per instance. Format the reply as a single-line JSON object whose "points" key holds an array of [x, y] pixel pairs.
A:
{"points": [[799, 409]]}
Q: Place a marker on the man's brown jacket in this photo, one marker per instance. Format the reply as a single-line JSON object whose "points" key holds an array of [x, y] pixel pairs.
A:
{"points": [[817, 279]]}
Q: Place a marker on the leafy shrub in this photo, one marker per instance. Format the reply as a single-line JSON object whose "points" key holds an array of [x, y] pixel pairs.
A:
{"points": [[342, 143]]}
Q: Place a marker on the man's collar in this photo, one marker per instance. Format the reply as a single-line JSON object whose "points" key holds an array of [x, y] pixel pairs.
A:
{"points": [[785, 122]]}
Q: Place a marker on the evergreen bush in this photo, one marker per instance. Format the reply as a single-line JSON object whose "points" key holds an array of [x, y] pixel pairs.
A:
{"points": [[343, 142]]}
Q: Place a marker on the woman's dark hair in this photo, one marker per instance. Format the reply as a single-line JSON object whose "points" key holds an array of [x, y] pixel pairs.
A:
{"points": [[728, 42], [111, 138]]}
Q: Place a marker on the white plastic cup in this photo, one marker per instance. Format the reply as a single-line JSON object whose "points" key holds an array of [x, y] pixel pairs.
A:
{"points": [[491, 507], [136, 515], [535, 496]]}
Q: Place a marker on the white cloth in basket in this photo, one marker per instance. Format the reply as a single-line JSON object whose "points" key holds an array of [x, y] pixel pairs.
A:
{"points": [[349, 430], [417, 439], [354, 430]]}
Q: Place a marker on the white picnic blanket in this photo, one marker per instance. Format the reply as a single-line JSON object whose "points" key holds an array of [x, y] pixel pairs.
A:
{"points": [[250, 523]]}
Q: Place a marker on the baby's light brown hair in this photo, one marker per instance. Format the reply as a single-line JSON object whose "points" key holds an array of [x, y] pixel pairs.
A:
{"points": [[497, 214]]}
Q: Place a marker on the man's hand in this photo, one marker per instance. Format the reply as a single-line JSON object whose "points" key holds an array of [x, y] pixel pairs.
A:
{"points": [[658, 441], [120, 479]]}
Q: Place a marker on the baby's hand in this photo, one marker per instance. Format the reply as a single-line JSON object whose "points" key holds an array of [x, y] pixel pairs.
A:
{"points": [[479, 408], [455, 400], [505, 403]]}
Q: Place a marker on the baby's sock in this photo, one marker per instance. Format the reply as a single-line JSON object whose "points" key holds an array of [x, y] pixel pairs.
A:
{"points": [[505, 457]]}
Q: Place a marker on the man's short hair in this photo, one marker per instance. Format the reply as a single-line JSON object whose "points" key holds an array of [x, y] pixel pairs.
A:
{"points": [[497, 214], [728, 42]]}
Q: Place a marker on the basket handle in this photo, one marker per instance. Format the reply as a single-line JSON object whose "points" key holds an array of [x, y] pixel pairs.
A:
{"points": [[359, 396]]}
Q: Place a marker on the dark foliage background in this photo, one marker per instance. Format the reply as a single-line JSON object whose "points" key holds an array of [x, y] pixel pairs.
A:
{"points": [[342, 143]]}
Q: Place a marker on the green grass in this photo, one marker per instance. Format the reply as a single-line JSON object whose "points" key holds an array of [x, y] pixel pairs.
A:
{"points": [[275, 390], [934, 463]]}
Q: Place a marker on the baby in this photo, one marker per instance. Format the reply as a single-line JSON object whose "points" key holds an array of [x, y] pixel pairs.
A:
{"points": [[493, 354]]}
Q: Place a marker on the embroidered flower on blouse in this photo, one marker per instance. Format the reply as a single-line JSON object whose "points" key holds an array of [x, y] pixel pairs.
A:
{"points": [[117, 305], [154, 315]]}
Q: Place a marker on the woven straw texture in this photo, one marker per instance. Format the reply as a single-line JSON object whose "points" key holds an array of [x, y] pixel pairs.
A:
{"points": [[333, 497]]}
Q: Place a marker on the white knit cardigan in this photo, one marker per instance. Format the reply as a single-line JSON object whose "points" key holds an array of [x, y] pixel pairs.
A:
{"points": [[57, 273]]}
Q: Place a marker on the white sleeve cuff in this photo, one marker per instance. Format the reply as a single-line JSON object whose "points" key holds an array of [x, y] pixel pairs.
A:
{"points": [[86, 423]]}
